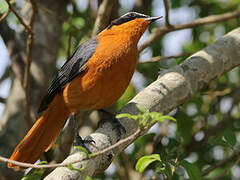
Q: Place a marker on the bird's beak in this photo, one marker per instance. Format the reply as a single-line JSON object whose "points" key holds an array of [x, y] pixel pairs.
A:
{"points": [[152, 19]]}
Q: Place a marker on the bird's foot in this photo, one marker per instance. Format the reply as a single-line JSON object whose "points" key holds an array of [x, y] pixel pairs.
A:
{"points": [[82, 142], [78, 139]]}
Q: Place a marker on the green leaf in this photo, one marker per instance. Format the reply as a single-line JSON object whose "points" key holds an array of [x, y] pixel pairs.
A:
{"points": [[184, 126], [88, 178], [216, 173], [156, 116], [230, 137], [3, 6], [168, 171], [92, 155], [42, 162], [70, 166], [217, 141], [141, 108], [169, 118], [34, 174], [173, 163], [125, 115], [144, 119], [126, 97], [78, 22], [82, 149], [192, 170], [65, 26], [144, 162]]}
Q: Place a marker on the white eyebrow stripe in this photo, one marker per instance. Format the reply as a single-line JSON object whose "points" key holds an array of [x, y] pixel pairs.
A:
{"points": [[139, 14]]}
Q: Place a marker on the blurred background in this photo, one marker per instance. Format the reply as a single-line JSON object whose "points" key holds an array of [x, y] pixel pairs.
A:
{"points": [[208, 128]]}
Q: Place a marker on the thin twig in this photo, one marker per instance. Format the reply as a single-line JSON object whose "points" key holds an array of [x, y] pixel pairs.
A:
{"points": [[160, 58], [27, 27], [6, 74], [159, 32], [208, 134], [212, 131], [4, 15], [178, 156], [221, 163], [227, 170], [26, 81], [90, 156], [2, 100], [166, 13]]}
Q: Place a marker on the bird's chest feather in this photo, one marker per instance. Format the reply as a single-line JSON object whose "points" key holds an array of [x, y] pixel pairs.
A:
{"points": [[107, 76]]}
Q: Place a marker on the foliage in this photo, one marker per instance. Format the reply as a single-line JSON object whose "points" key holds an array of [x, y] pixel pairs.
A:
{"points": [[192, 170], [3, 6], [145, 161], [146, 118], [167, 168], [83, 150], [35, 174], [70, 166], [127, 96]]}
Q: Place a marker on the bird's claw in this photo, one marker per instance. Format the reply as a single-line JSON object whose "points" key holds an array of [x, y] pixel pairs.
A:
{"points": [[117, 126], [82, 142]]}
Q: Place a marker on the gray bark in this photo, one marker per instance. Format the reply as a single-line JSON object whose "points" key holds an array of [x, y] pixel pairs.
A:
{"points": [[47, 29], [172, 88]]}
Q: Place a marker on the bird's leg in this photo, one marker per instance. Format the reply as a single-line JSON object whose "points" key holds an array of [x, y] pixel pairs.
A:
{"points": [[78, 140], [115, 122]]}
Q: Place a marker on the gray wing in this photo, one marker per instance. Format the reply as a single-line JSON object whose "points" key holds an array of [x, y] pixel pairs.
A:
{"points": [[71, 68]]}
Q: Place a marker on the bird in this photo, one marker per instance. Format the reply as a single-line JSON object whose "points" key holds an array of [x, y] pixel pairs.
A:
{"points": [[94, 77]]}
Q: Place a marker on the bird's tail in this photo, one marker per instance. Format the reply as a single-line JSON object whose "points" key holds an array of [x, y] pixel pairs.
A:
{"points": [[43, 133]]}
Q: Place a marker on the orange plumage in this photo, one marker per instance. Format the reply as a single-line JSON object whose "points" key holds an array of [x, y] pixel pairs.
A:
{"points": [[104, 79], [43, 133]]}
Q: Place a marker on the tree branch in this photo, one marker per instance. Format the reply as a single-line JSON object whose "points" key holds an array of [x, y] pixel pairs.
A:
{"points": [[173, 88], [16, 52], [103, 16], [163, 92], [6, 74], [45, 53], [27, 27], [4, 15], [160, 58], [223, 174], [2, 100], [26, 82], [166, 13], [226, 119], [222, 163], [159, 32], [64, 164], [142, 6]]}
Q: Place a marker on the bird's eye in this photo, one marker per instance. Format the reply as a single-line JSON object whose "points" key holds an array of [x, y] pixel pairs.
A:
{"points": [[131, 15]]}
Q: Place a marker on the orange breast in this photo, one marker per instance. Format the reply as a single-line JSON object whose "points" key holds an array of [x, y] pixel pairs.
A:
{"points": [[106, 77]]}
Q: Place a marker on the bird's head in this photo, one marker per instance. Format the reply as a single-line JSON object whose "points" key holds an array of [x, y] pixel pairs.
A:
{"points": [[131, 24]]}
